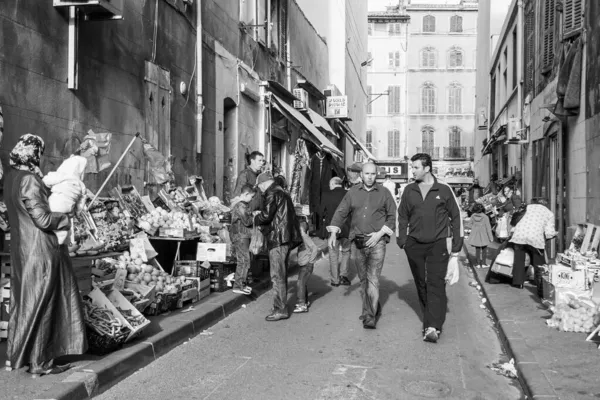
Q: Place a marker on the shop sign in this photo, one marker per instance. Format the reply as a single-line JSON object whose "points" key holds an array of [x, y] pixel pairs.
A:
{"points": [[337, 107], [395, 170]]}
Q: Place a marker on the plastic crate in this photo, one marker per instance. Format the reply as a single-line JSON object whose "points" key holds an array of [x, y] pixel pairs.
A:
{"points": [[191, 268], [218, 272]]}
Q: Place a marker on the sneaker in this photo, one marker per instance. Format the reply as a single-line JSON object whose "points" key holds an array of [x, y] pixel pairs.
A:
{"points": [[242, 290], [484, 266], [344, 281], [431, 335], [301, 308], [248, 289]]}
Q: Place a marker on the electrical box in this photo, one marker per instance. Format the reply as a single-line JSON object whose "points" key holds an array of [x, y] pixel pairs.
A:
{"points": [[95, 9]]}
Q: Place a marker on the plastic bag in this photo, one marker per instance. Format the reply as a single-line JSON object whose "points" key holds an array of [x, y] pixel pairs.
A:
{"points": [[257, 241], [453, 273], [502, 227]]}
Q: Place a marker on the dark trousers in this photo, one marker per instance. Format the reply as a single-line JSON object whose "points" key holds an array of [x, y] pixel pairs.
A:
{"points": [[429, 265], [278, 258], [481, 255], [369, 262], [537, 258], [242, 254], [303, 274]]}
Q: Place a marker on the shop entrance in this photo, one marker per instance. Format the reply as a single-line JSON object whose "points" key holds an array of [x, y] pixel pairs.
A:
{"points": [[230, 135]]}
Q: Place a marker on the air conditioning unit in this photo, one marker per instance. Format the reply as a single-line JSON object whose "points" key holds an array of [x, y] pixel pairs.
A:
{"points": [[301, 94], [95, 9], [514, 133]]}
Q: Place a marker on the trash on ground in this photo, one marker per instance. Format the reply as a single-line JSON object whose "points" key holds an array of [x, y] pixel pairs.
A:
{"points": [[507, 369]]}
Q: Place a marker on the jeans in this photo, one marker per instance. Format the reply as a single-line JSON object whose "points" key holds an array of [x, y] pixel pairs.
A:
{"points": [[537, 258], [429, 265], [278, 258], [303, 274], [242, 254], [369, 262], [336, 269], [481, 255]]}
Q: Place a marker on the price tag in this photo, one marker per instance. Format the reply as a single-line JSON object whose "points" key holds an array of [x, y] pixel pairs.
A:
{"points": [[120, 276]]}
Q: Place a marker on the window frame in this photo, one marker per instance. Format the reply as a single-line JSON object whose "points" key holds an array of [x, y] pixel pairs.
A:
{"points": [[572, 17], [431, 107], [394, 105], [428, 24], [394, 59], [454, 21], [369, 140], [428, 132], [548, 35], [431, 55], [455, 52], [454, 137], [455, 98], [393, 143]]}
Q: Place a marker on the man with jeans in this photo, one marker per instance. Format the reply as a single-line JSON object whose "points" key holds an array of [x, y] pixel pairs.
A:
{"points": [[372, 210], [428, 214], [282, 230], [329, 203]]}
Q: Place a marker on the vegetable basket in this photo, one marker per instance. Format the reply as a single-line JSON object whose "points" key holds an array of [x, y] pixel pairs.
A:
{"points": [[100, 345]]}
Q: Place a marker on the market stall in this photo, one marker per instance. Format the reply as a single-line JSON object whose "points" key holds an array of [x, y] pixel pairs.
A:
{"points": [[136, 257]]}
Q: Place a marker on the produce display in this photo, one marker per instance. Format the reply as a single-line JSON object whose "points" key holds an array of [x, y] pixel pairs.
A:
{"points": [[104, 322], [161, 218], [134, 320], [140, 272], [575, 316]]}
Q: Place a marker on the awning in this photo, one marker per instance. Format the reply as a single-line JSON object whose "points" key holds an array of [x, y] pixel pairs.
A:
{"points": [[354, 140], [321, 122], [315, 135]]}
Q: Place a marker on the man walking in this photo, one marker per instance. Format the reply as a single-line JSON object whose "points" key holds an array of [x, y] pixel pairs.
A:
{"points": [[390, 185], [329, 203], [283, 234], [427, 214], [371, 209]]}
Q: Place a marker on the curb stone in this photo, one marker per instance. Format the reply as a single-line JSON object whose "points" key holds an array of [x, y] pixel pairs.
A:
{"points": [[534, 382], [101, 375]]}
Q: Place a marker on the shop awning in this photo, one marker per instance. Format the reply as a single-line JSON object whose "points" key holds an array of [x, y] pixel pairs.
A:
{"points": [[354, 140], [314, 135], [321, 122]]}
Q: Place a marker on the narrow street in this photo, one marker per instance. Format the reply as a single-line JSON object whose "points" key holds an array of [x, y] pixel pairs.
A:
{"points": [[326, 354]]}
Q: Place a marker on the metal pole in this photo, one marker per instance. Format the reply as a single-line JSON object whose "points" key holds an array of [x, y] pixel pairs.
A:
{"points": [[114, 169]]}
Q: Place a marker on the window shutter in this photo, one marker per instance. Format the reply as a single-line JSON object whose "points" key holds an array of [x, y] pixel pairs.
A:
{"points": [[370, 28], [369, 141], [529, 50], [283, 25], [370, 60], [573, 17], [391, 60], [397, 59], [390, 143], [548, 42], [424, 58]]}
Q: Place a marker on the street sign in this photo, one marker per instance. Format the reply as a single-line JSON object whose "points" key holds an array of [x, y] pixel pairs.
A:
{"points": [[395, 170], [337, 107]]}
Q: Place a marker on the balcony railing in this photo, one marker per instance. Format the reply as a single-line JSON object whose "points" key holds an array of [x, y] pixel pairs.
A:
{"points": [[434, 152], [455, 153]]}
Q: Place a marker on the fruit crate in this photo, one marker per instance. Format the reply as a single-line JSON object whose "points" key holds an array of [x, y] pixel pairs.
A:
{"points": [[190, 268], [218, 272]]}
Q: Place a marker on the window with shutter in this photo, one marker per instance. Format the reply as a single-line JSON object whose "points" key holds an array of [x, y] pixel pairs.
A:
{"points": [[369, 141], [393, 143], [455, 99], [429, 23], [454, 137], [369, 99], [370, 29], [573, 17], [393, 29], [370, 60], [393, 99], [529, 49], [428, 99], [455, 58], [428, 58], [456, 23], [427, 139], [548, 40], [283, 26]]}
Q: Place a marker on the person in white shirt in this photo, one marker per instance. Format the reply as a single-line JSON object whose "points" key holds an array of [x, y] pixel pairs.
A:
{"points": [[390, 185]]}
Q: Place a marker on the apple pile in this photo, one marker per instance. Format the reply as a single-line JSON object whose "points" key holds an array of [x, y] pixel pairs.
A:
{"points": [[140, 272], [161, 218]]}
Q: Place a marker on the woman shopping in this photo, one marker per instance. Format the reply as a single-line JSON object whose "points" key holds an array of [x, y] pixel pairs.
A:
{"points": [[46, 317], [530, 235]]}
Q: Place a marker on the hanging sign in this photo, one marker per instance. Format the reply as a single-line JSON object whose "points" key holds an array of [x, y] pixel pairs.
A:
{"points": [[337, 107]]}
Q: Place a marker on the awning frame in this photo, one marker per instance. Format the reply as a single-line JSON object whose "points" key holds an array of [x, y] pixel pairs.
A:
{"points": [[354, 140]]}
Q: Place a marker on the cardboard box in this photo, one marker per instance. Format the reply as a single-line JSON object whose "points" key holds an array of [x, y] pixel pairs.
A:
{"points": [[564, 276], [213, 252], [111, 301], [560, 294]]}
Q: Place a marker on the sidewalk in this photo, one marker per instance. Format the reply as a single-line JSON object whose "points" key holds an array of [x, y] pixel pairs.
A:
{"points": [[551, 364], [91, 375]]}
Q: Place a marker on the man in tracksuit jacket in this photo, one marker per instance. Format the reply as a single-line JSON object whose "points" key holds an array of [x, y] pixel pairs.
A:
{"points": [[428, 214]]}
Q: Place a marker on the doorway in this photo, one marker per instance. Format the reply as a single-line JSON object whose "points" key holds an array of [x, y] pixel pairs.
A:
{"points": [[230, 139]]}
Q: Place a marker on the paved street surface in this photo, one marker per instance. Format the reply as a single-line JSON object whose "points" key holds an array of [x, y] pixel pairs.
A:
{"points": [[326, 353]]}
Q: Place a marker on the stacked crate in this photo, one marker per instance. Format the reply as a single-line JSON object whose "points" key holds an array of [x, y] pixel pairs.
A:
{"points": [[4, 295]]}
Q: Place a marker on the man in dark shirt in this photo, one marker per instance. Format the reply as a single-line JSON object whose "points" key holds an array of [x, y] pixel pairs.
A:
{"points": [[248, 177], [372, 211], [428, 214]]}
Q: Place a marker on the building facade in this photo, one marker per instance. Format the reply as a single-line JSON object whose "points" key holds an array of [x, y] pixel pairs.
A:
{"points": [[553, 143], [442, 50], [387, 84]]}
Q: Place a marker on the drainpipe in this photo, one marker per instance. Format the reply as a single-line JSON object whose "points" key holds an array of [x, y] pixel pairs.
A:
{"points": [[520, 60], [199, 104]]}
